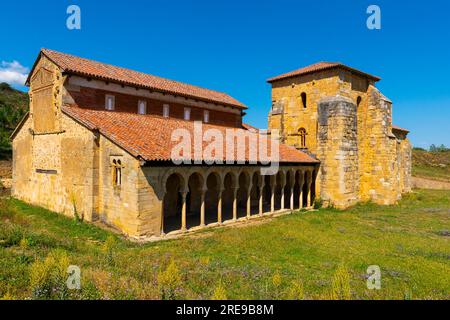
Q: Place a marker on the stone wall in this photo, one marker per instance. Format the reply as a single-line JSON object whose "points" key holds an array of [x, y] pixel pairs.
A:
{"points": [[118, 204], [79, 169], [54, 169], [338, 151], [381, 161], [379, 168], [22, 165], [404, 151], [61, 165], [37, 145], [286, 97]]}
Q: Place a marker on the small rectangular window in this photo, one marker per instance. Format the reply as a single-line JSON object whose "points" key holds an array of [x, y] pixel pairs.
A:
{"points": [[46, 171], [142, 107], [187, 113], [166, 111], [109, 102], [206, 116]]}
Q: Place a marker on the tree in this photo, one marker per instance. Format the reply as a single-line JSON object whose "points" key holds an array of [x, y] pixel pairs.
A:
{"points": [[442, 148]]}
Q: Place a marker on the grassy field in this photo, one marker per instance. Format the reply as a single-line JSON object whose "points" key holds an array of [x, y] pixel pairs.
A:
{"points": [[431, 165], [312, 255]]}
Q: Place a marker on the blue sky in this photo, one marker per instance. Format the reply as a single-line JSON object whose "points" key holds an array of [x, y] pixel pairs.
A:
{"points": [[234, 46]]}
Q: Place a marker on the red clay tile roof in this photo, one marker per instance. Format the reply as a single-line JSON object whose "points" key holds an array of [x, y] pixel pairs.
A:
{"points": [[249, 127], [320, 66], [94, 69], [149, 136], [399, 129]]}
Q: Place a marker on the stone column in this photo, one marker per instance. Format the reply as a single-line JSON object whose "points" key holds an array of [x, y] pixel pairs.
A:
{"points": [[292, 197], [249, 195], [308, 204], [283, 184], [272, 198], [219, 207], [183, 210], [162, 216], [301, 182], [202, 207], [235, 190], [300, 199], [261, 189]]}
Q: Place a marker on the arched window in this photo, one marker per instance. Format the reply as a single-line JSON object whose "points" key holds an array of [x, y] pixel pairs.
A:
{"points": [[114, 172], [302, 133], [117, 172], [358, 101], [303, 95]]}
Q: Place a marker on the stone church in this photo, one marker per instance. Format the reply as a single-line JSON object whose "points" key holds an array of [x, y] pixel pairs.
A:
{"points": [[336, 113], [98, 144]]}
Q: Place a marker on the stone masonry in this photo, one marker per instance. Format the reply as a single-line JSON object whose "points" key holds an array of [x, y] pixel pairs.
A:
{"points": [[338, 150], [348, 124]]}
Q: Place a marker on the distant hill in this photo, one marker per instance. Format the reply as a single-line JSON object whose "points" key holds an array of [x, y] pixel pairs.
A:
{"points": [[13, 106], [433, 165]]}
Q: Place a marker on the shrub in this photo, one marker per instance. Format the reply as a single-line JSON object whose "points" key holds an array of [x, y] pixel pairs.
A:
{"points": [[109, 248], [10, 235], [295, 291], [24, 243], [88, 292], [341, 284], [48, 277], [407, 295], [276, 279], [8, 296], [78, 217], [24, 259], [318, 203], [276, 284], [219, 292], [169, 281], [6, 211]]}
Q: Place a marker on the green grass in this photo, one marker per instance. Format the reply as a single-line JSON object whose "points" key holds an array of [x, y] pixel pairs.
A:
{"points": [[410, 243]]}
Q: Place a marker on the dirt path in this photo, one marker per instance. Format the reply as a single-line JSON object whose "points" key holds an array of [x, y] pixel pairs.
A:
{"points": [[423, 183]]}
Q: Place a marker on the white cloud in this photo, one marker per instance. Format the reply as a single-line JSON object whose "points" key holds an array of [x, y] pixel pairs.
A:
{"points": [[13, 73]]}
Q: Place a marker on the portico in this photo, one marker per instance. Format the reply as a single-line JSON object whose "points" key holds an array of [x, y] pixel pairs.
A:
{"points": [[195, 198]]}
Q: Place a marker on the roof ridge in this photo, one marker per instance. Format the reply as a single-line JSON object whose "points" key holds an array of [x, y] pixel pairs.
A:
{"points": [[96, 69], [128, 69], [319, 66]]}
